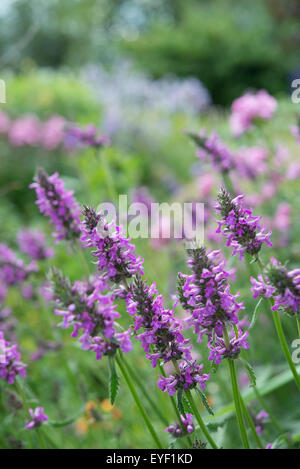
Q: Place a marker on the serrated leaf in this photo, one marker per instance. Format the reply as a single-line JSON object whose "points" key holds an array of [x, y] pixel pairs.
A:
{"points": [[250, 371], [179, 403], [204, 401], [114, 381], [255, 314], [186, 405]]}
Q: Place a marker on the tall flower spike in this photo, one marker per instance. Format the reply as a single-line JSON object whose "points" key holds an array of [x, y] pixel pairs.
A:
{"points": [[58, 204], [84, 306], [33, 244], [114, 254], [10, 363], [206, 293], [162, 338], [13, 270], [241, 229], [282, 284], [214, 150]]}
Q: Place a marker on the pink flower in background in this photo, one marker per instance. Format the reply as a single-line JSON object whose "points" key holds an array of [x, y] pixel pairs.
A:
{"points": [[5, 123], [25, 131], [205, 183], [252, 161], [295, 131], [293, 171], [282, 219], [33, 243], [53, 132], [249, 107]]}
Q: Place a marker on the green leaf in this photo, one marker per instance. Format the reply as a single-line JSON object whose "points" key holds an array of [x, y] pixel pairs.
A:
{"points": [[250, 371], [114, 381], [204, 401], [186, 405], [180, 403], [255, 314]]}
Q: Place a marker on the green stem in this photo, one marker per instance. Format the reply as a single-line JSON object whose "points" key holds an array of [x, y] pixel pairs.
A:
{"points": [[138, 402], [145, 392], [298, 325], [237, 403], [228, 184], [199, 419], [251, 423]]}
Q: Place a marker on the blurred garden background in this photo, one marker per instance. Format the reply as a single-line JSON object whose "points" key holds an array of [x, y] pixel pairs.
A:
{"points": [[143, 73]]}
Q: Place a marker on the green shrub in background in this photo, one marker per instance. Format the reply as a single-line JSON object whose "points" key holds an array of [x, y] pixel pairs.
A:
{"points": [[229, 46]]}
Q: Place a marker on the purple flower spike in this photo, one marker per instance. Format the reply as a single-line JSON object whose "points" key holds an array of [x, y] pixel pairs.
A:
{"points": [[37, 418], [33, 244], [282, 284], [213, 149], [10, 364], [241, 229], [206, 293], [91, 313], [13, 270], [189, 376], [58, 204], [114, 254], [162, 338]]}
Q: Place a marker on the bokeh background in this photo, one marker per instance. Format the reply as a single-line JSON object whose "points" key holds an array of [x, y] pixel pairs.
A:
{"points": [[142, 72]]}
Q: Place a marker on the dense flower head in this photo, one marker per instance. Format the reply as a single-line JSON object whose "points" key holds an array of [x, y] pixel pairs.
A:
{"points": [[12, 269], [53, 132], [181, 429], [83, 306], [37, 417], [249, 108], [220, 350], [281, 284], [26, 130], [10, 361], [113, 251], [211, 148], [188, 376], [75, 137], [241, 229], [206, 293], [161, 338], [34, 245], [57, 203]]}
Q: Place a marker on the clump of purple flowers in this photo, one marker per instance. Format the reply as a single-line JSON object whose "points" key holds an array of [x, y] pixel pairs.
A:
{"points": [[241, 229], [188, 376], [181, 429], [219, 349], [92, 313], [12, 269], [162, 338], [38, 416], [212, 148], [75, 137], [10, 361], [281, 284], [58, 204], [113, 251], [34, 245], [206, 293]]}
